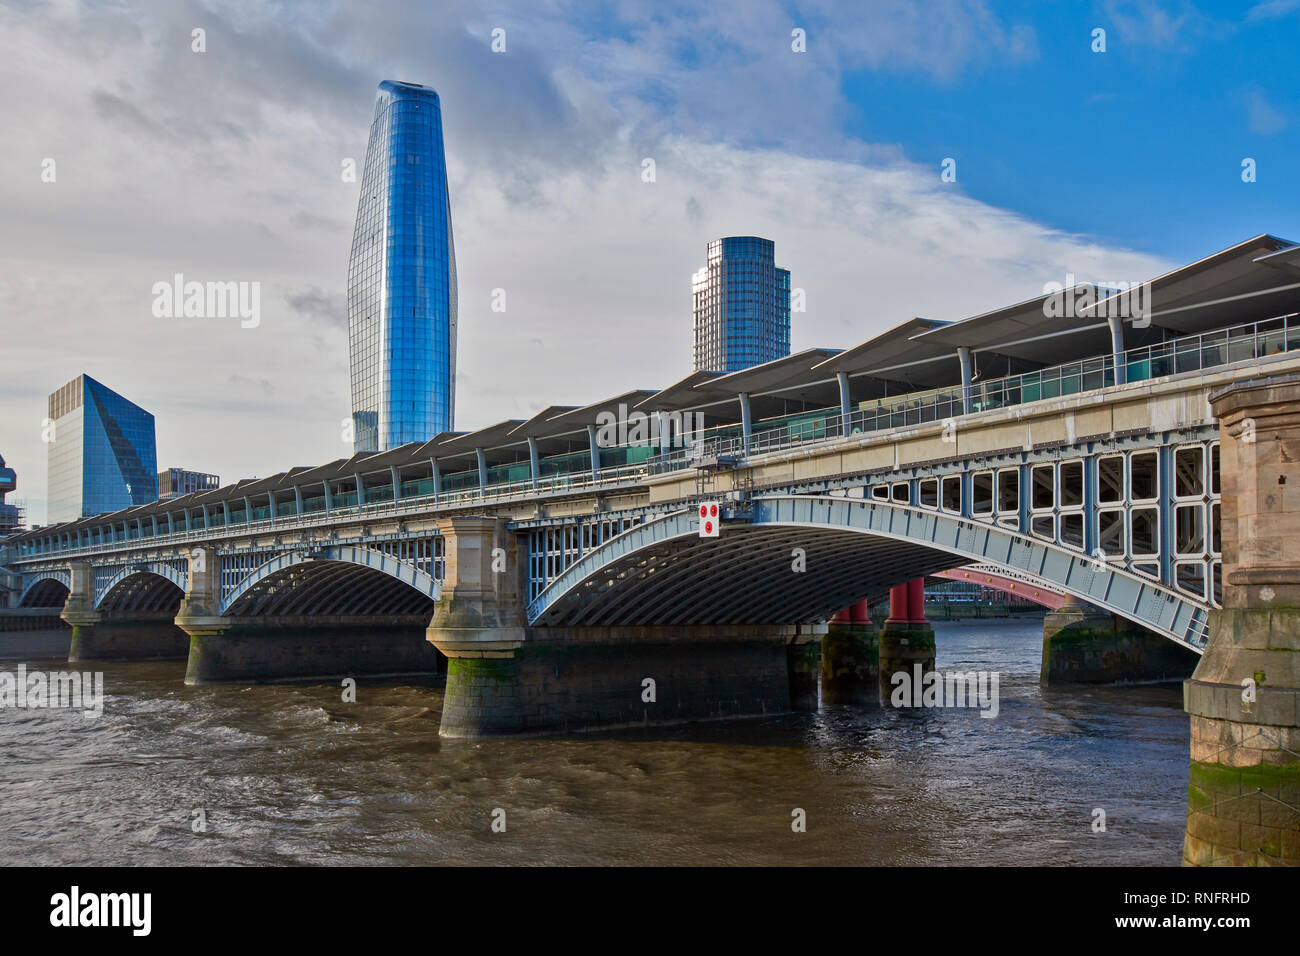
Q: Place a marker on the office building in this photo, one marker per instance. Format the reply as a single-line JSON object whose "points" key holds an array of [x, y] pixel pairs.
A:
{"points": [[101, 452], [402, 277], [742, 306], [11, 516], [175, 482]]}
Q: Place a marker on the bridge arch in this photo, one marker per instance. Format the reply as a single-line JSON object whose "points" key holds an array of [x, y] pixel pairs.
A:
{"points": [[141, 587], [46, 589], [662, 572], [340, 580]]}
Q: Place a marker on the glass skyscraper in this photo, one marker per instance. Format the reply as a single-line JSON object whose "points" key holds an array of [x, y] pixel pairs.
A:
{"points": [[402, 277], [742, 306], [101, 452]]}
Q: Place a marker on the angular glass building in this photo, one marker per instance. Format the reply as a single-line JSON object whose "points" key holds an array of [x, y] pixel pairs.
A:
{"points": [[742, 306], [402, 277], [102, 453]]}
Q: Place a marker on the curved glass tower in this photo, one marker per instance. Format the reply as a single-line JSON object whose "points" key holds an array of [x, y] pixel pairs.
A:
{"points": [[402, 277]]}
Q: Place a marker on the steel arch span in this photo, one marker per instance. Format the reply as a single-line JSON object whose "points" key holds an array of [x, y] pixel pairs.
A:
{"points": [[45, 589], [800, 558], [333, 580], [145, 581]]}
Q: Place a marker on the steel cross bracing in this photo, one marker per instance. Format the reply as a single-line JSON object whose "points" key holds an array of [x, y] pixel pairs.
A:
{"points": [[37, 589]]}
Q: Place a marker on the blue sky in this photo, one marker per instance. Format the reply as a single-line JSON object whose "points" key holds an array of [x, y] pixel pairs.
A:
{"points": [[1141, 144]]}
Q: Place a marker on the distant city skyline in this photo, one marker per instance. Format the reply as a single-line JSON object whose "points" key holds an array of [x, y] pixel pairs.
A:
{"points": [[232, 165]]}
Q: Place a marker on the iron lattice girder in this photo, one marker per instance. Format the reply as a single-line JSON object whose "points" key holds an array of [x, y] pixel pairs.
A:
{"points": [[662, 573]]}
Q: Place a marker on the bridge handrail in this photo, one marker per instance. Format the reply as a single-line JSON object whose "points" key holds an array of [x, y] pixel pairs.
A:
{"points": [[409, 504]]}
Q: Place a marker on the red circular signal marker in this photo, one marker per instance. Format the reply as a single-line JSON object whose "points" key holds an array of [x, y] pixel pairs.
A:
{"points": [[713, 511], [704, 510], [708, 527]]}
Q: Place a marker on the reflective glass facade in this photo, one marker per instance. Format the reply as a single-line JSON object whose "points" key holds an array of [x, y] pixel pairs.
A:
{"points": [[103, 455], [742, 306], [402, 277]]}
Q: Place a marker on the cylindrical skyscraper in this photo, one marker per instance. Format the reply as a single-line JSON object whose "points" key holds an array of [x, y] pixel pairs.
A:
{"points": [[742, 305], [402, 277]]}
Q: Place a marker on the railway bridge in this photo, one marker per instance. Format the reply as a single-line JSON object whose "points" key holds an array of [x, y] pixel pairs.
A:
{"points": [[689, 553]]}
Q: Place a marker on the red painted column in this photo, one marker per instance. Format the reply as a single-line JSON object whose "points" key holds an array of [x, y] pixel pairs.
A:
{"points": [[916, 601], [899, 611], [860, 613], [906, 640], [842, 617]]}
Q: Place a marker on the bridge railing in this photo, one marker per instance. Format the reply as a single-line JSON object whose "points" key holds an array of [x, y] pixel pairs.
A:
{"points": [[410, 504], [1191, 353]]}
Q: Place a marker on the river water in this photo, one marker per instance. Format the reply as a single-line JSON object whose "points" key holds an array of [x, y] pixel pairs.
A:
{"points": [[290, 774]]}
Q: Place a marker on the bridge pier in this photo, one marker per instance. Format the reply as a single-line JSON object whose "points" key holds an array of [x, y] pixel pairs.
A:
{"points": [[1243, 798], [851, 658], [506, 678], [272, 650], [803, 656], [1085, 645], [33, 633], [134, 636], [575, 679], [906, 639]]}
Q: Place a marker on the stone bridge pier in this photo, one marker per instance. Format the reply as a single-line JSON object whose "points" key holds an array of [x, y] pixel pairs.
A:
{"points": [[907, 638], [504, 677], [1243, 800], [851, 658], [1083, 644], [111, 633]]}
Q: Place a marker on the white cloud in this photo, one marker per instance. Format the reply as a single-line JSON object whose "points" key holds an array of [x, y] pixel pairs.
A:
{"points": [[176, 162]]}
